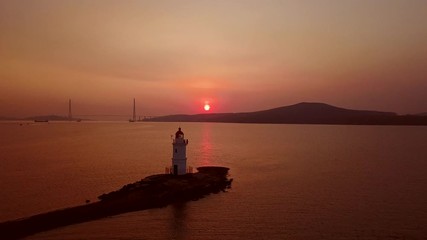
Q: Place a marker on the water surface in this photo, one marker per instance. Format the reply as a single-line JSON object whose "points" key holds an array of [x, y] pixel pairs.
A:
{"points": [[290, 181]]}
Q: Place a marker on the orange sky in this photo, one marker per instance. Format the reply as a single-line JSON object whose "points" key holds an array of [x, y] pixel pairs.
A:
{"points": [[172, 56]]}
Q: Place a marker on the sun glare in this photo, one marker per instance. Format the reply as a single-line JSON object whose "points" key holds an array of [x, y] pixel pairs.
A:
{"points": [[207, 107]]}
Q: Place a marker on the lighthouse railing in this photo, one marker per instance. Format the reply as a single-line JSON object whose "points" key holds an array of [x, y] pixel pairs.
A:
{"points": [[180, 140]]}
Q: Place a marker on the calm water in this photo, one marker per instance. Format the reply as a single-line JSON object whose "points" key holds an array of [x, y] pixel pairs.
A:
{"points": [[290, 181]]}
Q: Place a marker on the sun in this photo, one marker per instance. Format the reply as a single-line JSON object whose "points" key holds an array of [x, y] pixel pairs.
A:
{"points": [[207, 107]]}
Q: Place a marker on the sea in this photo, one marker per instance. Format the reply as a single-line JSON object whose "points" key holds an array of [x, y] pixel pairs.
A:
{"points": [[289, 181]]}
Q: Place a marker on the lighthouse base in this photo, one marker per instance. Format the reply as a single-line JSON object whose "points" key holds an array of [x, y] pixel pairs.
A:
{"points": [[179, 166]]}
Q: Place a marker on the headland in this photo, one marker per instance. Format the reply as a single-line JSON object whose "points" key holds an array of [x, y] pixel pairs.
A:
{"points": [[302, 113]]}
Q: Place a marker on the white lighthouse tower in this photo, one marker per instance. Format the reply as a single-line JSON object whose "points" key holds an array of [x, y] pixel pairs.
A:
{"points": [[179, 153]]}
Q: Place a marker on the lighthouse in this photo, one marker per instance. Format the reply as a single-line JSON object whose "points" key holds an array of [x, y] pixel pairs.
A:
{"points": [[179, 153]]}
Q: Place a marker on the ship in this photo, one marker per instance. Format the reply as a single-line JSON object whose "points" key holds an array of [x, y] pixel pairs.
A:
{"points": [[41, 120]]}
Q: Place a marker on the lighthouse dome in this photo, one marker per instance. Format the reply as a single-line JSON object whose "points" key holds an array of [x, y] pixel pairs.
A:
{"points": [[179, 134]]}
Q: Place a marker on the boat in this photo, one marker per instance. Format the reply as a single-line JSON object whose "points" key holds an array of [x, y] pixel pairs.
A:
{"points": [[41, 120]]}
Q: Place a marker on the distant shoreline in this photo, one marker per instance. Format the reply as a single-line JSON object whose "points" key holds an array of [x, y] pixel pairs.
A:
{"points": [[30, 122], [301, 113]]}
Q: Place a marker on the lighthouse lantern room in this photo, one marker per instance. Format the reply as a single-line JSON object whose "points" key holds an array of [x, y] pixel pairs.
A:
{"points": [[179, 155]]}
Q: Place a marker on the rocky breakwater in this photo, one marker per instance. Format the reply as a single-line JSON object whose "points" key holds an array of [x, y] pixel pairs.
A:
{"points": [[151, 192]]}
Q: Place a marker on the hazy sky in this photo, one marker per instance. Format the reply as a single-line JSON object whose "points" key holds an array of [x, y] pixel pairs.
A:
{"points": [[172, 56]]}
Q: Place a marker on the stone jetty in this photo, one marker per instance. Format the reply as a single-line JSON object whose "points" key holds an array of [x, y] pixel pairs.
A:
{"points": [[151, 192]]}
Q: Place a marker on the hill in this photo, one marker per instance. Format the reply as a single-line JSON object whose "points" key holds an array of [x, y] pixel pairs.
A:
{"points": [[48, 117], [3, 118], [302, 113], [38, 118]]}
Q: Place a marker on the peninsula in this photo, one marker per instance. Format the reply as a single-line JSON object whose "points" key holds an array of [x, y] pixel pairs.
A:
{"points": [[303, 113]]}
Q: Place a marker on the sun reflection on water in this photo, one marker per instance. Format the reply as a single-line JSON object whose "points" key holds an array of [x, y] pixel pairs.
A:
{"points": [[206, 145]]}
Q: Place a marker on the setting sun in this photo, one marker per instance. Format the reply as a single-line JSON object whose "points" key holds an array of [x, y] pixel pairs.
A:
{"points": [[207, 107]]}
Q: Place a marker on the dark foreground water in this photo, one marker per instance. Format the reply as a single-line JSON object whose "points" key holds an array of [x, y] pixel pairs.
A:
{"points": [[290, 181]]}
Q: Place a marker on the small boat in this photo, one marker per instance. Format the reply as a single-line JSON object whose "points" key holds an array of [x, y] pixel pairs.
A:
{"points": [[41, 120]]}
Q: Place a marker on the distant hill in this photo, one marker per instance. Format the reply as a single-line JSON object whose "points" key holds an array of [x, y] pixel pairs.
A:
{"points": [[302, 113], [48, 117], [2, 118], [422, 114], [38, 118]]}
